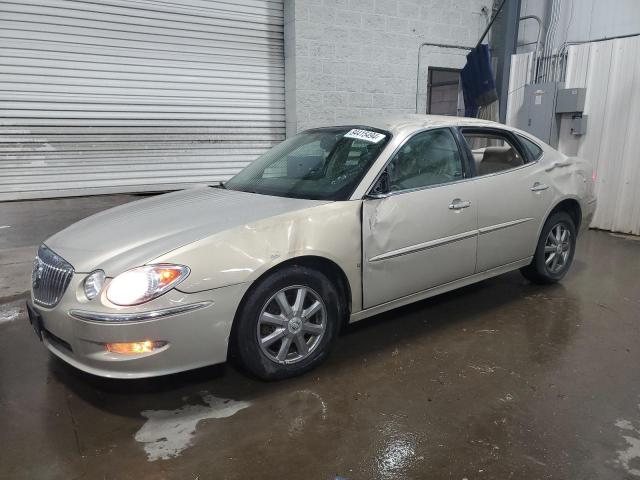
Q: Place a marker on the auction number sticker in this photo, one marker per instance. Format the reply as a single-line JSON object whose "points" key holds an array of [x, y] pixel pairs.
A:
{"points": [[366, 135]]}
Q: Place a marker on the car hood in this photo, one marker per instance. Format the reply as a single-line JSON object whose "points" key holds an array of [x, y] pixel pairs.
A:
{"points": [[135, 233]]}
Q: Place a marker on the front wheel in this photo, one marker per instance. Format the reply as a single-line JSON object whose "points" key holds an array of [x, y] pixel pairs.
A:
{"points": [[554, 252], [287, 324]]}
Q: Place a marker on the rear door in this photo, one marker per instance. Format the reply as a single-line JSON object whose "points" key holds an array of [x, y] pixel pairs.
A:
{"points": [[421, 231], [513, 194]]}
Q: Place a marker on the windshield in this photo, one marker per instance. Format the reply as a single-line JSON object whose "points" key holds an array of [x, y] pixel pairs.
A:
{"points": [[319, 164]]}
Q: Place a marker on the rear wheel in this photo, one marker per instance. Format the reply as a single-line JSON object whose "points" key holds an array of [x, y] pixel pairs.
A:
{"points": [[554, 252], [287, 324]]}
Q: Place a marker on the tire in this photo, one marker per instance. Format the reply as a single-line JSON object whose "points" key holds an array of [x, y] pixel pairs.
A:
{"points": [[263, 329], [550, 266]]}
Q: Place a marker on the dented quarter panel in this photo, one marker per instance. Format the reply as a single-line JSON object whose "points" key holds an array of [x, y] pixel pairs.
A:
{"points": [[570, 178]]}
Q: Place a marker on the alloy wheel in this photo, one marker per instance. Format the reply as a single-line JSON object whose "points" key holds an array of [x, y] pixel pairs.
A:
{"points": [[291, 324], [557, 248]]}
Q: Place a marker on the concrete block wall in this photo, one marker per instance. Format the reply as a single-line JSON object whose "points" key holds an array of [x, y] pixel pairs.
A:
{"points": [[350, 58]]}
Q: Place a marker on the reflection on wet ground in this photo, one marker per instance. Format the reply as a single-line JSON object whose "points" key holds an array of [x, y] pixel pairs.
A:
{"points": [[499, 380]]}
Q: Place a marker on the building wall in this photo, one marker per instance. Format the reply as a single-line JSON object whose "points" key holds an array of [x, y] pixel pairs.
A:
{"points": [[351, 58], [581, 20], [610, 72], [612, 106]]}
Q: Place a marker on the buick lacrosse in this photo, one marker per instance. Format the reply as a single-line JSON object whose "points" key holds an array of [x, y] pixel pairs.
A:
{"points": [[331, 226]]}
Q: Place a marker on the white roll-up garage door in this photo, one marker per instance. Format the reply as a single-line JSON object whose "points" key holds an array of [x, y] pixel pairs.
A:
{"points": [[135, 95]]}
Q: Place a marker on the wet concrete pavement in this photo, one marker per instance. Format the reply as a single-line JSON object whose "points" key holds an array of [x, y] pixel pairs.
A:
{"points": [[498, 380]]}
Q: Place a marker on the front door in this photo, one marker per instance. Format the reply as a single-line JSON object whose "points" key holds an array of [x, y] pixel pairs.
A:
{"points": [[423, 232]]}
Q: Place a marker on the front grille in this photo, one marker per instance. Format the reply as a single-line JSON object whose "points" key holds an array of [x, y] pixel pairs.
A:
{"points": [[50, 277]]}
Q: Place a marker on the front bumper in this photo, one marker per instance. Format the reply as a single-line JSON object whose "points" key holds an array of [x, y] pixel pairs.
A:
{"points": [[195, 326]]}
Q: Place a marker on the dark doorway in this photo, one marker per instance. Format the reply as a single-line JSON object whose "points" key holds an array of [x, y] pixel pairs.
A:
{"points": [[443, 91]]}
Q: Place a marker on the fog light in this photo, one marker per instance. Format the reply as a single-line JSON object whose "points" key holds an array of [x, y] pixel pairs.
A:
{"points": [[134, 348]]}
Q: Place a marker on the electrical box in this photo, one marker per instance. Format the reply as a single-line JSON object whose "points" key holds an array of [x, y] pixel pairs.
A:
{"points": [[546, 105], [578, 125], [539, 117], [570, 100]]}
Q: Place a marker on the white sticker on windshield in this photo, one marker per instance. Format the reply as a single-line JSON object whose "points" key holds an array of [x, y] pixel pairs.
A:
{"points": [[366, 135]]}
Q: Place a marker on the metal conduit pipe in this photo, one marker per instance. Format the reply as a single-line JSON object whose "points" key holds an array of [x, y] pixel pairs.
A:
{"points": [[563, 49], [548, 39], [439, 45], [535, 54]]}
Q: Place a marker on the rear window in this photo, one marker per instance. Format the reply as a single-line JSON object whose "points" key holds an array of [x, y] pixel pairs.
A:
{"points": [[532, 148]]}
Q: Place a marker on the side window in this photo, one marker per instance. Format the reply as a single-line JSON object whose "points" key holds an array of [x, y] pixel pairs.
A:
{"points": [[492, 152], [534, 150], [428, 158]]}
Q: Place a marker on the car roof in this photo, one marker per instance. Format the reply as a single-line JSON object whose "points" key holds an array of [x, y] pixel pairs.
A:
{"points": [[403, 123], [407, 123]]}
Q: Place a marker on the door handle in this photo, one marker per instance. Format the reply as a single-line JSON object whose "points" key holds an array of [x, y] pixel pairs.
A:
{"points": [[457, 204], [539, 187]]}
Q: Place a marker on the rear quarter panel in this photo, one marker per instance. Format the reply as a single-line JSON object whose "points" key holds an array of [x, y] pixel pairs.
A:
{"points": [[571, 178]]}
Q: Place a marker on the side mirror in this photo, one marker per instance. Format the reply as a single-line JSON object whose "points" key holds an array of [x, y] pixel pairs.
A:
{"points": [[381, 187]]}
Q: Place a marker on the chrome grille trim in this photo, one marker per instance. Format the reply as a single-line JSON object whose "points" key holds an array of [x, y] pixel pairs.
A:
{"points": [[50, 277]]}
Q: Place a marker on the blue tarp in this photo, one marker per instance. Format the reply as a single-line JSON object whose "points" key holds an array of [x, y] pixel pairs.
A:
{"points": [[478, 84]]}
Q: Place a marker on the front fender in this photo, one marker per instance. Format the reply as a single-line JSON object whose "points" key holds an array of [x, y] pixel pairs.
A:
{"points": [[242, 254]]}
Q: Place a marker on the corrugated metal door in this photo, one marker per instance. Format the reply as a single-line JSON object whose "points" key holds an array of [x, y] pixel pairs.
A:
{"points": [[133, 95], [610, 71]]}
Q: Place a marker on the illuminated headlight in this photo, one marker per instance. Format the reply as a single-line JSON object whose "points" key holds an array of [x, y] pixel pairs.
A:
{"points": [[93, 284], [142, 284]]}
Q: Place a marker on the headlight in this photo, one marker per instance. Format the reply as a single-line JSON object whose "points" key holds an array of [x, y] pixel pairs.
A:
{"points": [[142, 284], [93, 284]]}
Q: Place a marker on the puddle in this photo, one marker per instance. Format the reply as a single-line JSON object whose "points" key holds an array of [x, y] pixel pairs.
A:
{"points": [[167, 433], [304, 405], [396, 451]]}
